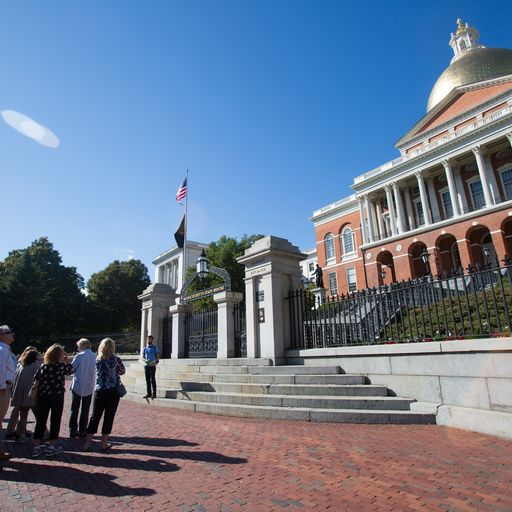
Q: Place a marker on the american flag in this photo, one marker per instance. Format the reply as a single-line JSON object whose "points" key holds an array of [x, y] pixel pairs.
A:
{"points": [[182, 191]]}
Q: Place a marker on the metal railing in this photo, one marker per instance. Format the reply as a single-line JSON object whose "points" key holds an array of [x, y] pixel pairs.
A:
{"points": [[476, 303]]}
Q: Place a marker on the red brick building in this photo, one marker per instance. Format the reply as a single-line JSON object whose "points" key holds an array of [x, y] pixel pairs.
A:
{"points": [[446, 201]]}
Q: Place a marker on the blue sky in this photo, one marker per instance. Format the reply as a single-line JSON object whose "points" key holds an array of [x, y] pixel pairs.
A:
{"points": [[273, 106]]}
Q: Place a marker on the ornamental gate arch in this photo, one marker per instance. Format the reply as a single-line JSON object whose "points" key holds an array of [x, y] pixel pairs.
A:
{"points": [[201, 327]]}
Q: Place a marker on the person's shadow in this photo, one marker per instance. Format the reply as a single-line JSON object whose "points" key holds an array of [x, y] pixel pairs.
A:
{"points": [[66, 476]]}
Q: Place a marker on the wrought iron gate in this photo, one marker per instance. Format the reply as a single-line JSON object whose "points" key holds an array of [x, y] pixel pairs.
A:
{"points": [[201, 336], [166, 337], [240, 330]]}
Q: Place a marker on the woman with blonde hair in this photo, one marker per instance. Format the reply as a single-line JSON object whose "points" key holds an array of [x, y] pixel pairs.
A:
{"points": [[109, 368], [21, 402], [50, 398]]}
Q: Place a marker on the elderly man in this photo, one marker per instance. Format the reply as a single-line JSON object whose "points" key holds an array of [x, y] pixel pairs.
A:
{"points": [[82, 387], [7, 374]]}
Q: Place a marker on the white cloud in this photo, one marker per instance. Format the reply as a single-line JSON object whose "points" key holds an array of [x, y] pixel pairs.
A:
{"points": [[30, 128]]}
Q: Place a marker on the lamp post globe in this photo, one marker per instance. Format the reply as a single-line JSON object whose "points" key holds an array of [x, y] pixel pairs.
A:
{"points": [[202, 265]]}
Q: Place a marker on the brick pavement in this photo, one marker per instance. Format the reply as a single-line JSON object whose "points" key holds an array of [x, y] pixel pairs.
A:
{"points": [[171, 460]]}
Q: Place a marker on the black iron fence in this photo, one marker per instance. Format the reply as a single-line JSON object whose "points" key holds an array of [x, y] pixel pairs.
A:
{"points": [[201, 333], [476, 303]]}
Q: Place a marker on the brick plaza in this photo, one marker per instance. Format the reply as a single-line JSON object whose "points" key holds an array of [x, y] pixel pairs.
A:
{"points": [[169, 460]]}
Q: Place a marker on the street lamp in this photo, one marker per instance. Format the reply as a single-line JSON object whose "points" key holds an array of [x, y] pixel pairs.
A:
{"points": [[382, 274], [487, 252], [425, 256], [202, 265]]}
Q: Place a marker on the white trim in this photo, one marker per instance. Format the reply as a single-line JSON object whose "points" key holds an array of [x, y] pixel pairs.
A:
{"points": [[342, 264]]}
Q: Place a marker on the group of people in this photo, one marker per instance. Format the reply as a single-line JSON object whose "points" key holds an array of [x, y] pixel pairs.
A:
{"points": [[39, 385]]}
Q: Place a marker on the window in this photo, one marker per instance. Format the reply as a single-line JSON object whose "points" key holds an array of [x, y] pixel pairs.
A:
{"points": [[311, 266], [419, 212], [506, 177], [462, 45], [347, 239], [477, 194], [333, 283], [447, 204], [329, 247], [351, 279]]}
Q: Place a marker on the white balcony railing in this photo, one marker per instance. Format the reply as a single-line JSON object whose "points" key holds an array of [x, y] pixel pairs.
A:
{"points": [[434, 144]]}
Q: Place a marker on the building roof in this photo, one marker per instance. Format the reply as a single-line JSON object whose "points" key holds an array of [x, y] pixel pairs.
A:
{"points": [[478, 65]]}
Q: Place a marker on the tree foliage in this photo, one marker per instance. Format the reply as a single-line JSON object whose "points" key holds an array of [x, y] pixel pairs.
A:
{"points": [[113, 293], [39, 296]]}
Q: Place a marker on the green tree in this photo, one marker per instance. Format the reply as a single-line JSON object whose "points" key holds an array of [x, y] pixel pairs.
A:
{"points": [[223, 254], [39, 296], [113, 292]]}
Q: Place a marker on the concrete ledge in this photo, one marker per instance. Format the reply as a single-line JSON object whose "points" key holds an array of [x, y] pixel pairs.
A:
{"points": [[425, 407], [494, 423], [431, 347]]}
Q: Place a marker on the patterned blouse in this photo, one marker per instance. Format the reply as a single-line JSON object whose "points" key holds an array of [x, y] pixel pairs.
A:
{"points": [[51, 378], [107, 373]]}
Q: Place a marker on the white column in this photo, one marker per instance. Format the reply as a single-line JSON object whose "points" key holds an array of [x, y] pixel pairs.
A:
{"points": [[436, 216], [452, 188], [424, 200], [275, 264], [363, 222], [226, 322], [509, 137], [371, 227], [483, 175], [178, 312], [399, 208], [495, 191], [391, 209], [408, 208], [380, 221], [463, 202]]}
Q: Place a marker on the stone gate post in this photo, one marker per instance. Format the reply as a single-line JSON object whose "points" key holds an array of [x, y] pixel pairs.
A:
{"points": [[178, 312], [226, 322], [272, 270], [156, 300]]}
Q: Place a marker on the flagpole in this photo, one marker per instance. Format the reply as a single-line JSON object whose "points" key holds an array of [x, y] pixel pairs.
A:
{"points": [[184, 266]]}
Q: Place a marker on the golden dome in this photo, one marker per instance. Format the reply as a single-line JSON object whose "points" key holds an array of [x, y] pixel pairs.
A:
{"points": [[472, 67]]}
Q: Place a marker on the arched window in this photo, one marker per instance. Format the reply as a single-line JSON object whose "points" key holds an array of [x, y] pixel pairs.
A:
{"points": [[347, 241], [329, 247]]}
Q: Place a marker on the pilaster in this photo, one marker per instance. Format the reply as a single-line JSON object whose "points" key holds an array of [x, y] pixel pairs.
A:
{"points": [[226, 322], [272, 270], [178, 312], [156, 300]]}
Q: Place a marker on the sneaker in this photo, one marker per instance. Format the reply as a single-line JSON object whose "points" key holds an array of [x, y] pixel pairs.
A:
{"points": [[146, 396], [39, 451], [54, 450], [153, 397]]}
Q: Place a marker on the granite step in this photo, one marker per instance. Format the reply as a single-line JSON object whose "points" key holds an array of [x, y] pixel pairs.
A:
{"points": [[301, 401], [294, 413], [285, 389]]}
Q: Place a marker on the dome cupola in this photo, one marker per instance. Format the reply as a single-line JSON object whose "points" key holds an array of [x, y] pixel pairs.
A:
{"points": [[472, 63]]}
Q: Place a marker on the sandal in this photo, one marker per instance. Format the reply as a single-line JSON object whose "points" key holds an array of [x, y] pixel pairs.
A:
{"points": [[106, 447]]}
